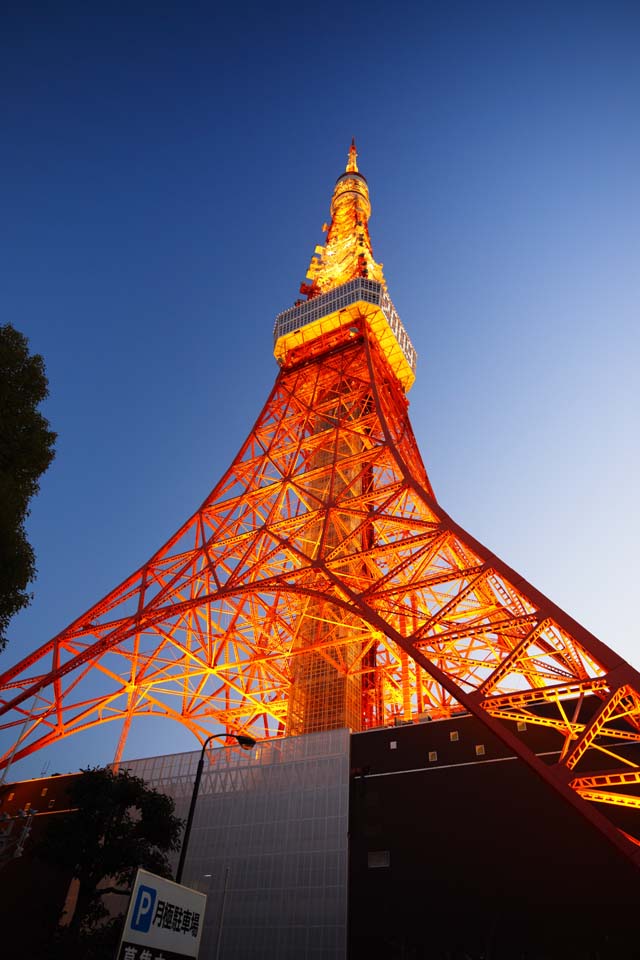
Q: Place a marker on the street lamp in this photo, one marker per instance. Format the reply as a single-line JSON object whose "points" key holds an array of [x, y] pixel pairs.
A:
{"points": [[247, 743]]}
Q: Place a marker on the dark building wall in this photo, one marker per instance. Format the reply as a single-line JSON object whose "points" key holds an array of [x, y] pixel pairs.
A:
{"points": [[484, 860], [32, 893]]}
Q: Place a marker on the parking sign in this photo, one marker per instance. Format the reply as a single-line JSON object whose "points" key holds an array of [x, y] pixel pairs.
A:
{"points": [[164, 920]]}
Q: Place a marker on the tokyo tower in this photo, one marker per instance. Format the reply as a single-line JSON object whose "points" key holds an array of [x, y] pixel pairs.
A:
{"points": [[320, 585]]}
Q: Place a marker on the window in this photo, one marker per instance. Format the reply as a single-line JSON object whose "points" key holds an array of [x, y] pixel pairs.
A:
{"points": [[479, 749], [433, 756], [392, 746], [44, 791], [378, 858], [521, 725], [454, 736], [51, 803]]}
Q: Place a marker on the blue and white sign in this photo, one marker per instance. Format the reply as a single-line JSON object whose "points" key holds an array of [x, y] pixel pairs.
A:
{"points": [[164, 920]]}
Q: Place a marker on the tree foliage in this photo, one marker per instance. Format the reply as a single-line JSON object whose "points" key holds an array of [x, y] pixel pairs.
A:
{"points": [[120, 824], [26, 450]]}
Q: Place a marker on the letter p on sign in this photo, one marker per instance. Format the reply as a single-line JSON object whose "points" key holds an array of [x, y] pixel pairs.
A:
{"points": [[143, 909]]}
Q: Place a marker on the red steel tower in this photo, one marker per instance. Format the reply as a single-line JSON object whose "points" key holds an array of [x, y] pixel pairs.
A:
{"points": [[321, 585]]}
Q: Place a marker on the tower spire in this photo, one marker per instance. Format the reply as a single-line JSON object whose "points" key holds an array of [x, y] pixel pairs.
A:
{"points": [[352, 165], [347, 253], [346, 292]]}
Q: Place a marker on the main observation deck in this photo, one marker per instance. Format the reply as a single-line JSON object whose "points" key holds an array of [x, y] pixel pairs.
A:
{"points": [[356, 300]]}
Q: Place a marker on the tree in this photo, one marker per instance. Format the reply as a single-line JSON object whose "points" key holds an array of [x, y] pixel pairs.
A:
{"points": [[26, 450], [119, 824]]}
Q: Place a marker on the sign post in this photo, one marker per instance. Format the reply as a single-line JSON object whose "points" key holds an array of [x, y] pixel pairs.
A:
{"points": [[164, 920]]}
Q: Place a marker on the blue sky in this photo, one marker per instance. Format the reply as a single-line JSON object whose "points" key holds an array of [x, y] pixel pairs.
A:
{"points": [[164, 176]]}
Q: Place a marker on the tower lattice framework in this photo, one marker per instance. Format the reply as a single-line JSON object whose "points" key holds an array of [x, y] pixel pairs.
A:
{"points": [[322, 585]]}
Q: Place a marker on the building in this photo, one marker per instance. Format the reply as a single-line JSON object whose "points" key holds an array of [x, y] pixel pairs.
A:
{"points": [[423, 840], [32, 893]]}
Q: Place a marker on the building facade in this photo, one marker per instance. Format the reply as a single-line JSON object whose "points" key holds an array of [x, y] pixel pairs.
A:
{"points": [[269, 844]]}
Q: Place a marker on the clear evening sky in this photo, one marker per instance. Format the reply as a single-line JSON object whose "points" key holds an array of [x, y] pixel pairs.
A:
{"points": [[164, 175]]}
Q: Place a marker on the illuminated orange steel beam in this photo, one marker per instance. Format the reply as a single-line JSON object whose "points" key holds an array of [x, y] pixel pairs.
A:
{"points": [[614, 799], [606, 778], [545, 694], [594, 727]]}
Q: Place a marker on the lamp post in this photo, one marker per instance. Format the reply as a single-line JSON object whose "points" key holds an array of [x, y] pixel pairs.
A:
{"points": [[247, 743]]}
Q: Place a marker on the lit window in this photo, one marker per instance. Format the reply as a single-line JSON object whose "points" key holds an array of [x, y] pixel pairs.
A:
{"points": [[11, 796], [433, 756], [392, 746], [521, 725], [44, 791], [479, 749], [453, 736]]}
